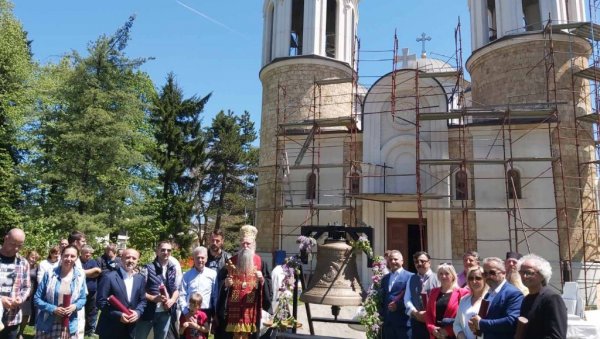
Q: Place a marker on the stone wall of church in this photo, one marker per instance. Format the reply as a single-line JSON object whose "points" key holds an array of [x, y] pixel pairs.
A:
{"points": [[290, 95], [463, 223], [514, 71]]}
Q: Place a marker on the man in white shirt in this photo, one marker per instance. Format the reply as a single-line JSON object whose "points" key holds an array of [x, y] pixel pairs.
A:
{"points": [[199, 279], [113, 323]]}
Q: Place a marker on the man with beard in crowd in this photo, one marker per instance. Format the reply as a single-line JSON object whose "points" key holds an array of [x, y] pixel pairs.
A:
{"points": [[217, 257], [246, 290]]}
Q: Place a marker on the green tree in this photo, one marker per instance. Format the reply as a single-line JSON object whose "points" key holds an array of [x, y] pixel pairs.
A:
{"points": [[16, 70], [179, 155], [92, 139], [230, 171]]}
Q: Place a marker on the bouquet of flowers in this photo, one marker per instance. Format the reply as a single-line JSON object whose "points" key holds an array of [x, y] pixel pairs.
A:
{"points": [[370, 317], [363, 244], [305, 245], [282, 318]]}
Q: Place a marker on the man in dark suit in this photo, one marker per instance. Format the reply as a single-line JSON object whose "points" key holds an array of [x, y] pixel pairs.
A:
{"points": [[129, 288], [396, 323], [505, 303], [544, 309]]}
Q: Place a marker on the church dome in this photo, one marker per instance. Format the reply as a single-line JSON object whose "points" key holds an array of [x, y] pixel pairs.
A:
{"points": [[429, 65]]}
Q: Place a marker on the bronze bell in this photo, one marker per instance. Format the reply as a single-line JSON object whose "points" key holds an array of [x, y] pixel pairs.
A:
{"points": [[335, 281]]}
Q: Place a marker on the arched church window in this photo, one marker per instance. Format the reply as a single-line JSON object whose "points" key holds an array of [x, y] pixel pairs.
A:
{"points": [[531, 15], [330, 28], [514, 184], [311, 186], [354, 183], [461, 185], [297, 29], [493, 29]]}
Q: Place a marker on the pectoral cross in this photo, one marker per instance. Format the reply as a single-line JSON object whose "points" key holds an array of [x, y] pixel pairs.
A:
{"points": [[422, 40]]}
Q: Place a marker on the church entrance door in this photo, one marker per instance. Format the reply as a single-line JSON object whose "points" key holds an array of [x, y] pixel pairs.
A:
{"points": [[404, 235]]}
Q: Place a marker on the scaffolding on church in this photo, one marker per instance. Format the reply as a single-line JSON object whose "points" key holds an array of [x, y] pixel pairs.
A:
{"points": [[303, 153], [514, 123], [303, 149]]}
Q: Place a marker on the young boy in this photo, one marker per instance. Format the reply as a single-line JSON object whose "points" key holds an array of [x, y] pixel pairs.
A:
{"points": [[193, 324]]}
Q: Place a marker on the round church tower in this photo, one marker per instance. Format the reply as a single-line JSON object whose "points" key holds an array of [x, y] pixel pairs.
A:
{"points": [[527, 52], [305, 43]]}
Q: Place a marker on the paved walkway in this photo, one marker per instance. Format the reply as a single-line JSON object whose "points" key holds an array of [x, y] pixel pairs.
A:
{"points": [[329, 329]]}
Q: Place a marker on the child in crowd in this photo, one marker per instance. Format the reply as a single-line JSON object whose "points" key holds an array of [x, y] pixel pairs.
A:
{"points": [[193, 324]]}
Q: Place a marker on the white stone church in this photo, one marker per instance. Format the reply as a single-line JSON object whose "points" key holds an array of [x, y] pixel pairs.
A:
{"points": [[504, 162]]}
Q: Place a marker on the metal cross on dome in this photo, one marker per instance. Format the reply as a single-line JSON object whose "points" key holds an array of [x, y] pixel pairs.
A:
{"points": [[422, 40]]}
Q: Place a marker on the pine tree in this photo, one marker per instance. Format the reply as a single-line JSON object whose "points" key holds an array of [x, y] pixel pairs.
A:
{"points": [[232, 159], [179, 155], [93, 137]]}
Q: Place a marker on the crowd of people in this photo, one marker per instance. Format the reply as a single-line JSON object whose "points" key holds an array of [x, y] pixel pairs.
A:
{"points": [[227, 294], [493, 298], [222, 293]]}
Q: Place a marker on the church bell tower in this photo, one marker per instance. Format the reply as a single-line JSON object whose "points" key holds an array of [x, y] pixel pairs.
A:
{"points": [[305, 42], [527, 55]]}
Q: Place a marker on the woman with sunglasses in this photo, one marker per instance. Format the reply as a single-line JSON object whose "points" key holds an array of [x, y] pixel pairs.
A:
{"points": [[470, 304], [443, 303]]}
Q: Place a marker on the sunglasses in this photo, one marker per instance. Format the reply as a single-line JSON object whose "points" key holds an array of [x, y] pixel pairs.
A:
{"points": [[491, 273], [476, 278], [421, 261], [527, 273]]}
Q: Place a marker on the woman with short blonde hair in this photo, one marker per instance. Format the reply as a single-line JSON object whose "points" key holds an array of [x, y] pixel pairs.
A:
{"points": [[443, 303]]}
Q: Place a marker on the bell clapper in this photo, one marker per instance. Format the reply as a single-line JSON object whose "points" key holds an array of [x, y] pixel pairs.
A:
{"points": [[335, 311]]}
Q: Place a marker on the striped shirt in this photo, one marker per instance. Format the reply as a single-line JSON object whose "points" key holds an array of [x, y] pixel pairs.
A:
{"points": [[18, 270]]}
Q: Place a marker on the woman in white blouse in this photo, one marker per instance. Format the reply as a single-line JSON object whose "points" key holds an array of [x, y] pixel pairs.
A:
{"points": [[469, 305], [50, 263]]}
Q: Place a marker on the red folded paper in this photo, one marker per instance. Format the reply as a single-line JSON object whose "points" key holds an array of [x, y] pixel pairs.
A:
{"points": [[66, 303], [483, 310], [424, 300], [163, 290], [118, 305]]}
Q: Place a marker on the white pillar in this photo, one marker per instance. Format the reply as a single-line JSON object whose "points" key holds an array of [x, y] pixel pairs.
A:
{"points": [[479, 23], [342, 30], [310, 24], [282, 28], [509, 15], [577, 11], [554, 9]]}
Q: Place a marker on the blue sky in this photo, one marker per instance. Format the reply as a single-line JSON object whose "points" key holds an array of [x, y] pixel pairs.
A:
{"points": [[215, 46]]}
